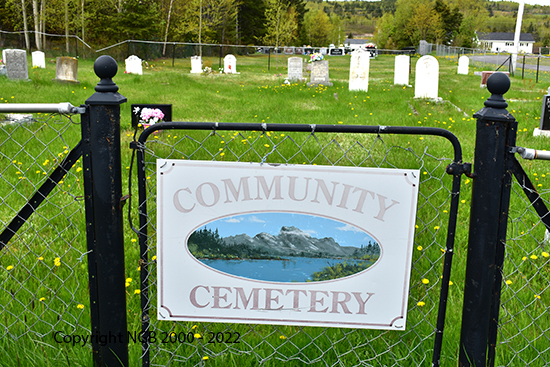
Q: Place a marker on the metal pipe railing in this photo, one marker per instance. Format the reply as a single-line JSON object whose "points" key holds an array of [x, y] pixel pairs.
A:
{"points": [[64, 108]]}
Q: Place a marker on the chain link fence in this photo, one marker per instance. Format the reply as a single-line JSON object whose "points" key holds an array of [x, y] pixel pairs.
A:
{"points": [[191, 344], [524, 332], [43, 268]]}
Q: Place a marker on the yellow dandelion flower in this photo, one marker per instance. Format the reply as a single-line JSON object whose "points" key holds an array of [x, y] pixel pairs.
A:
{"points": [[450, 282], [266, 145], [545, 254], [193, 327], [419, 248], [534, 257], [537, 296], [137, 291], [41, 299], [133, 240], [508, 282], [80, 306], [425, 281], [9, 267], [524, 258], [436, 228], [57, 261], [40, 258], [282, 337], [154, 258], [204, 358], [421, 304], [197, 336]]}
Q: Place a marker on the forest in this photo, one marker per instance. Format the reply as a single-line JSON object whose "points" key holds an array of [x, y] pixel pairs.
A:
{"points": [[391, 24]]}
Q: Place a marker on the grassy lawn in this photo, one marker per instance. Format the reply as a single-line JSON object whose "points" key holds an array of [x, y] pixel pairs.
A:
{"points": [[47, 259]]}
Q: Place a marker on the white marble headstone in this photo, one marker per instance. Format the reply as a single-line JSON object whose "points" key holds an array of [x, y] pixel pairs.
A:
{"points": [[16, 64], [196, 64], [38, 59], [401, 72], [230, 64], [66, 69], [427, 78], [295, 68], [463, 65], [359, 70], [133, 65]]}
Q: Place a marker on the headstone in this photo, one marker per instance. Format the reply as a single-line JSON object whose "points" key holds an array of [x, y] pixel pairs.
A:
{"points": [[66, 69], [38, 59], [289, 50], [136, 112], [295, 68], [230, 64], [544, 127], [16, 64], [133, 65], [486, 74], [359, 70], [319, 74], [463, 65], [424, 48], [4, 54], [427, 78], [196, 64], [298, 51], [402, 68], [323, 51], [336, 52]]}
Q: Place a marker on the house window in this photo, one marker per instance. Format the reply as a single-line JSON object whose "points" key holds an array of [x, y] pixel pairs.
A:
{"points": [[509, 43], [522, 44]]}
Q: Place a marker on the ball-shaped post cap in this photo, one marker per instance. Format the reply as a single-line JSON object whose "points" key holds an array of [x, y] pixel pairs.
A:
{"points": [[105, 67], [498, 84]]}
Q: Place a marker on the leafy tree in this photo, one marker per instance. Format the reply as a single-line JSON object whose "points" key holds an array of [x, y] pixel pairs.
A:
{"points": [[281, 23], [450, 21], [424, 23], [319, 28], [251, 21], [384, 30]]}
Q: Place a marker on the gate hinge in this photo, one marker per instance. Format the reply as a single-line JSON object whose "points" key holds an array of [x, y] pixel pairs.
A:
{"points": [[457, 169]]}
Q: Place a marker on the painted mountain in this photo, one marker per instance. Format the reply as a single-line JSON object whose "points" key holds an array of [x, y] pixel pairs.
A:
{"points": [[292, 241]]}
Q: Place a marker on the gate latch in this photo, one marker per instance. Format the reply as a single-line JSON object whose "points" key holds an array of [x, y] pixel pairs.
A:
{"points": [[457, 169]]}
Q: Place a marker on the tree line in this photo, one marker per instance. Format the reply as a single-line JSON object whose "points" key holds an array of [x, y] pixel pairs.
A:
{"points": [[395, 23]]}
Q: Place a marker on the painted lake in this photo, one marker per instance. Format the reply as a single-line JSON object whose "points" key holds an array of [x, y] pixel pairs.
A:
{"points": [[294, 269]]}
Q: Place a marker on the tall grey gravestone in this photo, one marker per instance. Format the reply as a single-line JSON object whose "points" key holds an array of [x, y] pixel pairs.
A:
{"points": [[38, 60], [401, 72], [463, 65], [423, 49], [16, 64], [295, 69], [359, 70], [427, 78], [66, 69], [319, 74]]}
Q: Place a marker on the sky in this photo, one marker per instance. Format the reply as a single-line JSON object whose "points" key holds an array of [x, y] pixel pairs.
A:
{"points": [[318, 227]]}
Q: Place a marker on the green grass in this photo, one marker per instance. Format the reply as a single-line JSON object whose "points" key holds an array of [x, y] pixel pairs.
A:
{"points": [[258, 95]]}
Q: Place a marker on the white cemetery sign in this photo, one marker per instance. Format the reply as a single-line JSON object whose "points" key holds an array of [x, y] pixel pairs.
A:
{"points": [[66, 69], [401, 72], [196, 64], [295, 68], [319, 74], [133, 65], [427, 78], [463, 65], [16, 64], [38, 59], [359, 70], [230, 64], [284, 216]]}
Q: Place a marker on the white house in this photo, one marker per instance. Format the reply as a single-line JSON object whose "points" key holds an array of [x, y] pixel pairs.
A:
{"points": [[504, 42]]}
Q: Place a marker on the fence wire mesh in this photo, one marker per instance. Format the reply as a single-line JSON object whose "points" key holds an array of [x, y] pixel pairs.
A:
{"points": [[43, 268], [524, 332], [188, 343]]}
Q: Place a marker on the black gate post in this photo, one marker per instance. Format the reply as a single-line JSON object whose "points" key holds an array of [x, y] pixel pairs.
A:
{"points": [[103, 191], [496, 129]]}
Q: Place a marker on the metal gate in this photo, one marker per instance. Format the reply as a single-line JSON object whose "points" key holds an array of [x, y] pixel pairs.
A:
{"points": [[357, 146]]}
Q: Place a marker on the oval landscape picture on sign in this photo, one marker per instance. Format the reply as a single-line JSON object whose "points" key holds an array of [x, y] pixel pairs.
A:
{"points": [[284, 247]]}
